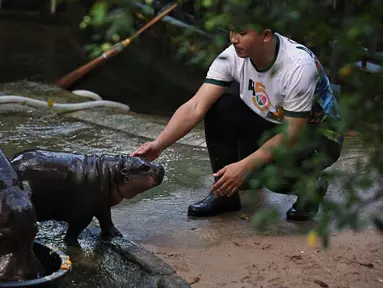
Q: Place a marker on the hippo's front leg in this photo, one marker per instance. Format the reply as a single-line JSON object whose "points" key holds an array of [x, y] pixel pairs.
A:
{"points": [[107, 227], [75, 227]]}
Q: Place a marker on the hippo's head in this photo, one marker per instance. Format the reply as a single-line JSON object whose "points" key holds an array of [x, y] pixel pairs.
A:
{"points": [[18, 228], [18, 219], [137, 176]]}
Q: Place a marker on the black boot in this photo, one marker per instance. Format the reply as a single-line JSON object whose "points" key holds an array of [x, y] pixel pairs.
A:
{"points": [[213, 205], [307, 211]]}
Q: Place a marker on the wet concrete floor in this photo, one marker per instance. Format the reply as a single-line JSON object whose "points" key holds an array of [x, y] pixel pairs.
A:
{"points": [[157, 217]]}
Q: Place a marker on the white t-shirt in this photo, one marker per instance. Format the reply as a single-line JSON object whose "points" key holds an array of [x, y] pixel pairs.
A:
{"points": [[290, 86]]}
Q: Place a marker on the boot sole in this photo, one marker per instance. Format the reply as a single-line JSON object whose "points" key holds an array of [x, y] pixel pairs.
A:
{"points": [[300, 218], [210, 214]]}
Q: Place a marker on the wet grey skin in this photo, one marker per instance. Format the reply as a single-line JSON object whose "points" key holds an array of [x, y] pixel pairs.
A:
{"points": [[18, 228], [74, 188]]}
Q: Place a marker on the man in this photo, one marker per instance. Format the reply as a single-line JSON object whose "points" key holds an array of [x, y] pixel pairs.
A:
{"points": [[280, 81]]}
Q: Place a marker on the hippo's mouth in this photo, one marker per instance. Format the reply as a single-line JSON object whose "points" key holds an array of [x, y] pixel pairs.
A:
{"points": [[134, 185], [153, 181], [149, 179]]}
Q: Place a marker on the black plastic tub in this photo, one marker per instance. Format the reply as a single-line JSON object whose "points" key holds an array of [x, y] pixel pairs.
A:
{"points": [[55, 262]]}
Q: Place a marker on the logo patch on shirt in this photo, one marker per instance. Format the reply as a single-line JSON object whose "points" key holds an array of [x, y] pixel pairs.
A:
{"points": [[261, 100]]}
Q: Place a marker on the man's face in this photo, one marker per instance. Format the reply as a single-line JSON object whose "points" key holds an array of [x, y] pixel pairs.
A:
{"points": [[248, 42]]}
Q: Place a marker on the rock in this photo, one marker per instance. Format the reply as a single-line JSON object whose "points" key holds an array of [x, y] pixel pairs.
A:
{"points": [[367, 264], [194, 280], [321, 283]]}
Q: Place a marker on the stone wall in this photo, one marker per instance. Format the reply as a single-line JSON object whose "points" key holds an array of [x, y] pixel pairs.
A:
{"points": [[33, 50], [42, 47]]}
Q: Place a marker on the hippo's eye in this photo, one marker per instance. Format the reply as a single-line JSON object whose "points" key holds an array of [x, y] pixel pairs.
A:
{"points": [[141, 168], [146, 167], [124, 172]]}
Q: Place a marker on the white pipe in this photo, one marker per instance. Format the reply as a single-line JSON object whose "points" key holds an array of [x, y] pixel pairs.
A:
{"points": [[53, 6], [87, 94], [62, 107]]}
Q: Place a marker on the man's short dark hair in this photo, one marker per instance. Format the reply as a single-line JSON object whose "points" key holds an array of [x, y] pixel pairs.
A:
{"points": [[256, 14]]}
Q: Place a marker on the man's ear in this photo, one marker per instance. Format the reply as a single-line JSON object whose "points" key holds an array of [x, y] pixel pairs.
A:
{"points": [[267, 35]]}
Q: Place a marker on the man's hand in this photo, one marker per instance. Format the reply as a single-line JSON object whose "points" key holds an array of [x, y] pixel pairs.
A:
{"points": [[232, 177], [149, 150]]}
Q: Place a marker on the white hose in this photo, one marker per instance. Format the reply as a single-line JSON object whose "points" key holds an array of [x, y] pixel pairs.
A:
{"points": [[86, 93], [62, 107]]}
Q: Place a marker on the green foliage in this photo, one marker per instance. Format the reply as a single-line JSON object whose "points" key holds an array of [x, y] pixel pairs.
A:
{"points": [[264, 218], [337, 32]]}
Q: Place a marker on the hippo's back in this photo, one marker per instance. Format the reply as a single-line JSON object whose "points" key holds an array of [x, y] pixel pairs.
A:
{"points": [[48, 165], [59, 182]]}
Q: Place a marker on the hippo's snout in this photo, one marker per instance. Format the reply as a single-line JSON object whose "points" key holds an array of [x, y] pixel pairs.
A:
{"points": [[136, 166], [139, 176]]}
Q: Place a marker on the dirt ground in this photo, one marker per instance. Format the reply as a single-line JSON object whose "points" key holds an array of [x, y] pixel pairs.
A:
{"points": [[353, 260]]}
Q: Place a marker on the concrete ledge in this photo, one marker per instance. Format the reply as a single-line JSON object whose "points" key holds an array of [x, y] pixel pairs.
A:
{"points": [[167, 277], [173, 281], [145, 126], [138, 255], [139, 125]]}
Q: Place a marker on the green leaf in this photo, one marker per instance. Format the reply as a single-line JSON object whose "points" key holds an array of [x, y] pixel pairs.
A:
{"points": [[263, 219], [97, 51], [89, 47], [98, 12], [207, 3]]}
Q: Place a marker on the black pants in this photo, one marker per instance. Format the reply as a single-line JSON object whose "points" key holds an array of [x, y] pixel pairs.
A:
{"points": [[233, 131]]}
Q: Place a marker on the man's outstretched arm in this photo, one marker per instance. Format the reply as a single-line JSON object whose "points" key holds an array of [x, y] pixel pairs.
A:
{"points": [[193, 111], [189, 114], [182, 122]]}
